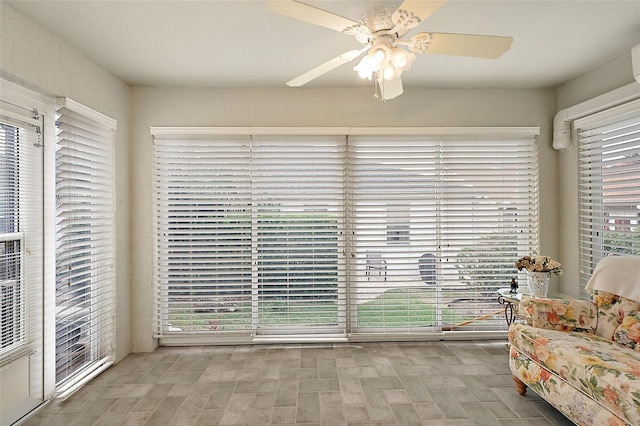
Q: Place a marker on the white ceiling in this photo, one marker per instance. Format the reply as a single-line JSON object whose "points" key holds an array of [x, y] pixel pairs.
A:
{"points": [[239, 43]]}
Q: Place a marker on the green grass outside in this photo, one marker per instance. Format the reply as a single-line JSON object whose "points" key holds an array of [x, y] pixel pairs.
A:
{"points": [[403, 308], [393, 308]]}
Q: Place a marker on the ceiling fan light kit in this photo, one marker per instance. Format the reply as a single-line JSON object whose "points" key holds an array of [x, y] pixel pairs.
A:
{"points": [[385, 59], [382, 32]]}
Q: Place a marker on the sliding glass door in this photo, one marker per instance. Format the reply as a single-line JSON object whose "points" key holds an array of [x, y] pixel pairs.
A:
{"points": [[438, 222], [265, 235], [250, 235]]}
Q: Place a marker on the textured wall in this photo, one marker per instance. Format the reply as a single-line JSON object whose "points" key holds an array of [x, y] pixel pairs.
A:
{"points": [[33, 57], [315, 107], [606, 78]]}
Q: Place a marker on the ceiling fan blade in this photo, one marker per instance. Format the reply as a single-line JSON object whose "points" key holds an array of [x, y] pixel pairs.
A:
{"points": [[412, 12], [313, 15], [391, 89], [472, 45], [325, 67]]}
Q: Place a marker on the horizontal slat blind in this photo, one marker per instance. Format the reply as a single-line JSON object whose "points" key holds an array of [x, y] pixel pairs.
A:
{"points": [[438, 225], [298, 193], [204, 234], [609, 185], [394, 192], [21, 243], [489, 219], [85, 229]]}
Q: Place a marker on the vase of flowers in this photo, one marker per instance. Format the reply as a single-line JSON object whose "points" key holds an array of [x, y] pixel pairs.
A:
{"points": [[539, 270]]}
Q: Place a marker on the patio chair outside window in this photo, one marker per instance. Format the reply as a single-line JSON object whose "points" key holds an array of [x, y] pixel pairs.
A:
{"points": [[375, 262]]}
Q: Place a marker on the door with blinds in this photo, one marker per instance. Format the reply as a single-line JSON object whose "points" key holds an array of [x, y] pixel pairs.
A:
{"points": [[21, 260], [250, 235], [437, 225]]}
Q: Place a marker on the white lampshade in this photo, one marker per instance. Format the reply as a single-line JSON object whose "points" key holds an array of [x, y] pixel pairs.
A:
{"points": [[398, 58], [389, 72], [365, 68]]}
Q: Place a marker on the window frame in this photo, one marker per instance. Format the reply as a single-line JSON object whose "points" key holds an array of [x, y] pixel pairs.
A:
{"points": [[27, 228]]}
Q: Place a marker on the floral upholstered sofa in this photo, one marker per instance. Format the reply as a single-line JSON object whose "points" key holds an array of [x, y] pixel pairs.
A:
{"points": [[583, 356]]}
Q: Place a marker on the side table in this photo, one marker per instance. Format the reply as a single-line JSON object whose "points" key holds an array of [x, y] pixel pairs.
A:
{"points": [[511, 301]]}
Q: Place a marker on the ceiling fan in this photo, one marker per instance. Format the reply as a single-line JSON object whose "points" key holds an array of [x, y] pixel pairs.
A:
{"points": [[381, 32]]}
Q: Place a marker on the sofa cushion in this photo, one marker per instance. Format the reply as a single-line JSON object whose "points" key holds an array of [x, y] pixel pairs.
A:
{"points": [[559, 314], [597, 366], [611, 311], [628, 332]]}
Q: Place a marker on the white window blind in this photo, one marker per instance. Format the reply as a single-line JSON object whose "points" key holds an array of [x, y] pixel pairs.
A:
{"points": [[21, 243], [84, 243], [469, 208], [299, 215], [204, 234], [393, 190], [265, 235], [609, 185]]}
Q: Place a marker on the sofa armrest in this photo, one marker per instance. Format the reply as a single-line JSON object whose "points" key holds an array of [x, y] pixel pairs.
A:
{"points": [[559, 314]]}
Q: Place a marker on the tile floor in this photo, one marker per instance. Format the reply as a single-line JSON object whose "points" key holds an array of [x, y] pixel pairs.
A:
{"points": [[421, 383]]}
